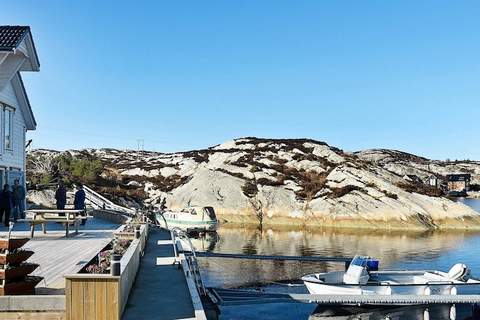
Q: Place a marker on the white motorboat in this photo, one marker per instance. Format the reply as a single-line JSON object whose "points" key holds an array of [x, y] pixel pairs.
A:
{"points": [[362, 278], [192, 218]]}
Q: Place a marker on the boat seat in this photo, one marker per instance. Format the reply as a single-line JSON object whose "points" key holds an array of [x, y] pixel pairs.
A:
{"points": [[429, 277]]}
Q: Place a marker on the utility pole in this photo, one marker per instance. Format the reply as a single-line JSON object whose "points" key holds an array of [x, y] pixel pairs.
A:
{"points": [[140, 146]]}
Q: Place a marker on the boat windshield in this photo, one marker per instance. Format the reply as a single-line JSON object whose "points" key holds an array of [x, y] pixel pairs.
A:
{"points": [[210, 212], [359, 261]]}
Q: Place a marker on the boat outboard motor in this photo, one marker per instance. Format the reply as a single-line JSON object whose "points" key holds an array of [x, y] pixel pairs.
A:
{"points": [[459, 272], [357, 271]]}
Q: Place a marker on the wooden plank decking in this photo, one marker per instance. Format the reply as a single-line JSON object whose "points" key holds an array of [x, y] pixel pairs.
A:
{"points": [[58, 255], [159, 291]]}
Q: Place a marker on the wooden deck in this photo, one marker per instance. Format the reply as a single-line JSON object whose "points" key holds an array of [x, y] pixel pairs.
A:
{"points": [[58, 255], [160, 290]]}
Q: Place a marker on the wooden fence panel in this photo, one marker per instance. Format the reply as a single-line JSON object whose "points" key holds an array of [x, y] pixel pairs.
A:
{"points": [[95, 298]]}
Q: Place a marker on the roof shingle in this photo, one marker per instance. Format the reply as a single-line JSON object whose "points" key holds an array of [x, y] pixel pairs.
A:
{"points": [[11, 36]]}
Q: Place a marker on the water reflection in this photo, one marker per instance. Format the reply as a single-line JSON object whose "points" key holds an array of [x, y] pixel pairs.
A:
{"points": [[204, 241], [431, 250], [394, 249], [393, 313]]}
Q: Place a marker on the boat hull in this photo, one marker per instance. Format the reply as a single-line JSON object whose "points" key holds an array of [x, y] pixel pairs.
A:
{"points": [[408, 289], [199, 225], [189, 225]]}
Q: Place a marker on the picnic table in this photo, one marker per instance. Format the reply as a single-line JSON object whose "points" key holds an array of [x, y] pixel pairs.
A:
{"points": [[41, 216]]}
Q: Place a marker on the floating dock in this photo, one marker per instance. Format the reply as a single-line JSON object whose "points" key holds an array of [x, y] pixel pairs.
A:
{"points": [[231, 297], [163, 288]]}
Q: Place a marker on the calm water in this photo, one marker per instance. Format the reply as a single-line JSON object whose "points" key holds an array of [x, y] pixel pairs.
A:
{"points": [[396, 250]]}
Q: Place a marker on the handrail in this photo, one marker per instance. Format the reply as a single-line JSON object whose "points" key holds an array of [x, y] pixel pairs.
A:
{"points": [[101, 202], [192, 262], [165, 220]]}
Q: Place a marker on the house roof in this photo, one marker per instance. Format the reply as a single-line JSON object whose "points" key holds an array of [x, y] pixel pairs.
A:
{"points": [[11, 36], [459, 177], [413, 177], [18, 53]]}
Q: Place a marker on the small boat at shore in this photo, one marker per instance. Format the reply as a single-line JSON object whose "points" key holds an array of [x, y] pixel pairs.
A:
{"points": [[189, 219], [363, 277]]}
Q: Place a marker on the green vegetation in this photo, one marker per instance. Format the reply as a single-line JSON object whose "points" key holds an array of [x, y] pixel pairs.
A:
{"points": [[46, 170], [84, 170]]}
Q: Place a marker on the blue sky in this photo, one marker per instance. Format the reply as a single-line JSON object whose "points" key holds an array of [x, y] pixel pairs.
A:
{"points": [[190, 74]]}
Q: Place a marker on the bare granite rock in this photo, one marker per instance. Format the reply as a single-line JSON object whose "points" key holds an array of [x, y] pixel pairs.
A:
{"points": [[289, 181]]}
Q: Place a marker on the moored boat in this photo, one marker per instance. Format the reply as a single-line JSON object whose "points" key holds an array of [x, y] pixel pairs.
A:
{"points": [[363, 277], [189, 219]]}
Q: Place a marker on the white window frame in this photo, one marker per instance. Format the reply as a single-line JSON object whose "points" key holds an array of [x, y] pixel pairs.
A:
{"points": [[8, 112]]}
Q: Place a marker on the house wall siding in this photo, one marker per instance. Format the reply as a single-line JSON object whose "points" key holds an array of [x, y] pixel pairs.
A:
{"points": [[14, 158], [457, 186]]}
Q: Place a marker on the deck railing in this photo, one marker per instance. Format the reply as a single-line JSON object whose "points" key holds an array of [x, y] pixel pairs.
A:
{"points": [[194, 270]]}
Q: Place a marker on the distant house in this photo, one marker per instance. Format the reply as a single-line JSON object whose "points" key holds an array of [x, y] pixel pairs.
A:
{"points": [[412, 178], [432, 181], [458, 182], [17, 54]]}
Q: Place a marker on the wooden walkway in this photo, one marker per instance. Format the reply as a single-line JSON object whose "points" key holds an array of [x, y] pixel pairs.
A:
{"points": [[58, 255], [160, 290]]}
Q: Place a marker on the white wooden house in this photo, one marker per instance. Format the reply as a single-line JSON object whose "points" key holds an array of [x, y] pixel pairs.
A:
{"points": [[17, 54]]}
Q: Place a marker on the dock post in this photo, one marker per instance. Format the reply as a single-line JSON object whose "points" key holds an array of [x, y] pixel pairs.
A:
{"points": [[137, 232], [172, 234], [115, 265]]}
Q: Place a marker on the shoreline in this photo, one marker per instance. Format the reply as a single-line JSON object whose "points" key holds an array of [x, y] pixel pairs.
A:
{"points": [[469, 223]]}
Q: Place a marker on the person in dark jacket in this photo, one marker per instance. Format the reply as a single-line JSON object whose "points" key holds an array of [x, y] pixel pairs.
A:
{"points": [[79, 201], [18, 194], [61, 197], [5, 204]]}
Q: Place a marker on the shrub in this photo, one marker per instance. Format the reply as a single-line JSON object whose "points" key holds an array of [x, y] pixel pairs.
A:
{"points": [[234, 174], [475, 187], [341, 191], [86, 170], [419, 188], [390, 195], [268, 182], [167, 184], [249, 189], [311, 182]]}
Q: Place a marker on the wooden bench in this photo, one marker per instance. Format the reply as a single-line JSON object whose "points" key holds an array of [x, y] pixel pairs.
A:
{"points": [[43, 216]]}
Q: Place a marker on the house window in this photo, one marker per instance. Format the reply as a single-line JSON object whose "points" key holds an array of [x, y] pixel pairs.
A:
{"points": [[8, 127]]}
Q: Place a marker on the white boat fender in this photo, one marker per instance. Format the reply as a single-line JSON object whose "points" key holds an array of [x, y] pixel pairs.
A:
{"points": [[426, 314], [453, 291]]}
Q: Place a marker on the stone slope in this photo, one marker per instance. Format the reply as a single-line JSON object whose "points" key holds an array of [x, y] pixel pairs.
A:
{"points": [[286, 181]]}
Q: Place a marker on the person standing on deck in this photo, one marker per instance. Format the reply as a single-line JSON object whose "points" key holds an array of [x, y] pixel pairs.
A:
{"points": [[61, 197], [18, 195], [79, 201], [5, 204]]}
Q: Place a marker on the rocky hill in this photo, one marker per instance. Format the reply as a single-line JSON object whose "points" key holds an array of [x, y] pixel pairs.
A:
{"points": [[272, 181]]}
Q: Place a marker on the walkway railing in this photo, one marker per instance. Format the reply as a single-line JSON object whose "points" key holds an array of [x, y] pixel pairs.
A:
{"points": [[100, 202], [178, 234]]}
